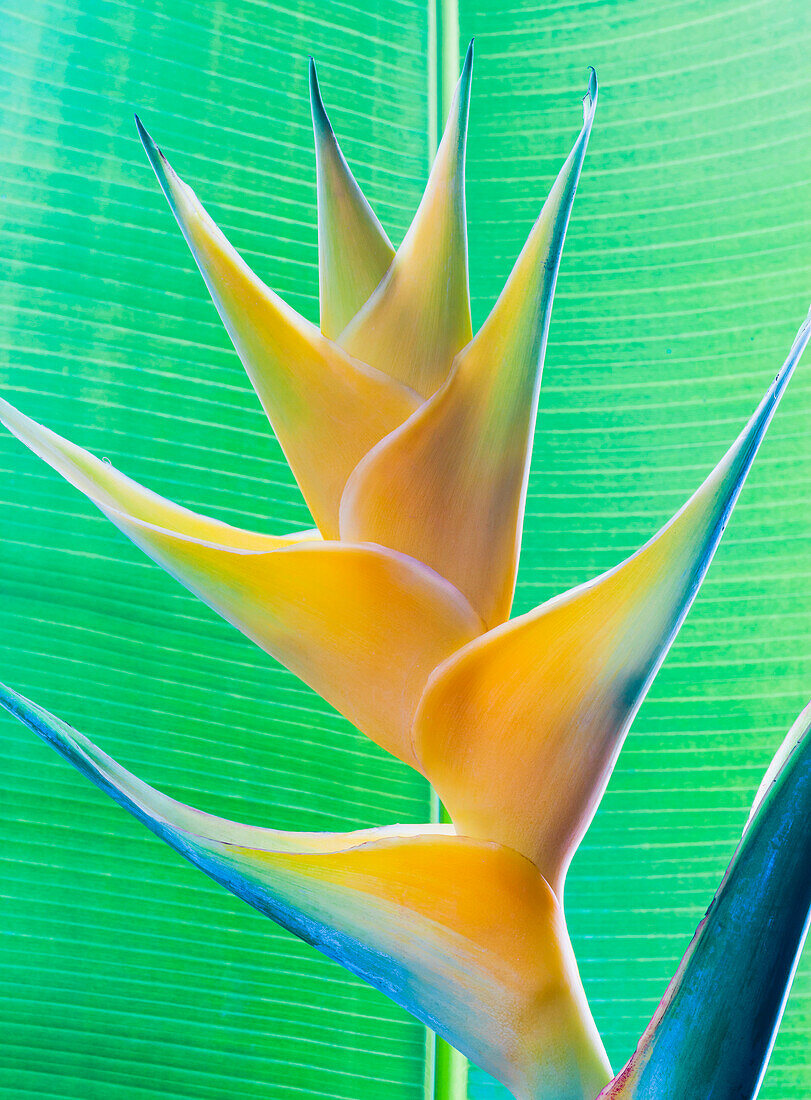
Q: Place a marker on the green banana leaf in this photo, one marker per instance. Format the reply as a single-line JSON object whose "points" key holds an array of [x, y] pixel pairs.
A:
{"points": [[685, 274], [687, 262], [169, 989]]}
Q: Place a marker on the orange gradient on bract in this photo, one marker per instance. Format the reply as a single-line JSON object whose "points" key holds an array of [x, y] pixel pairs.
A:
{"points": [[465, 934], [448, 487], [354, 251], [326, 408], [519, 731], [411, 442], [362, 625], [419, 317]]}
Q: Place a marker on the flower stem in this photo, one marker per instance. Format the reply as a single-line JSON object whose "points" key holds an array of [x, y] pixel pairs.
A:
{"points": [[445, 1067]]}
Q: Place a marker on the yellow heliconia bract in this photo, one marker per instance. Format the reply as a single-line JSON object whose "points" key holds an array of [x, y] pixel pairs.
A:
{"points": [[519, 731], [363, 625], [326, 408], [411, 442], [354, 252], [448, 487], [419, 317], [465, 934]]}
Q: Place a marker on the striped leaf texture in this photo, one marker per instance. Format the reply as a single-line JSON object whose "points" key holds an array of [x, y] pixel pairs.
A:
{"points": [[686, 271], [123, 971]]}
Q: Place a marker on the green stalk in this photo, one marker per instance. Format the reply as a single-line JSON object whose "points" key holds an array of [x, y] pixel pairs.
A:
{"points": [[445, 1067]]}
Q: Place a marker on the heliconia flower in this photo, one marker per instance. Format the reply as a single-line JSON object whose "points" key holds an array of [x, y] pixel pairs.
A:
{"points": [[713, 1032], [465, 934], [411, 439]]}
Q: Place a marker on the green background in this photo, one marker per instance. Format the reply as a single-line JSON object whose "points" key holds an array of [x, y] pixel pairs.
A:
{"points": [[123, 971]]}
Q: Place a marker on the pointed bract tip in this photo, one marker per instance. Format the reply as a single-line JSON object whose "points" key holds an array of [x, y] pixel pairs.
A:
{"points": [[799, 733], [142, 132], [19, 707], [460, 105], [801, 341], [167, 177], [321, 120], [7, 696], [590, 98], [156, 157], [467, 66], [804, 330]]}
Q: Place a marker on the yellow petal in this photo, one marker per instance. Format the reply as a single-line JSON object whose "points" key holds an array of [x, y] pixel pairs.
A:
{"points": [[465, 935], [354, 252], [362, 625], [327, 409], [448, 487], [520, 730], [419, 316]]}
